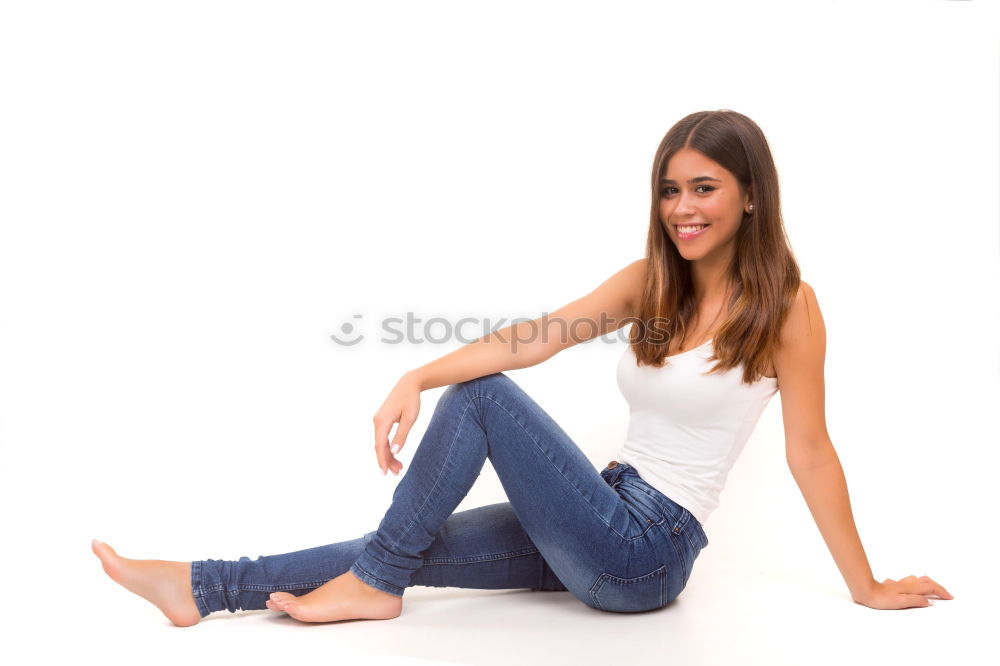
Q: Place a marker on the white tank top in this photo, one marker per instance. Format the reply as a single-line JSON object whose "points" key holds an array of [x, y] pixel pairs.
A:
{"points": [[686, 430]]}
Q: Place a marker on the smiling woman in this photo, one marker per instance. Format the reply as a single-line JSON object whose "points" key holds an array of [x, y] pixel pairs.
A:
{"points": [[719, 263], [687, 214], [741, 325]]}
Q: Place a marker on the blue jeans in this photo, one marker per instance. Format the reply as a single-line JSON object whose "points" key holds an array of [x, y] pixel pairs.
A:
{"points": [[608, 537]]}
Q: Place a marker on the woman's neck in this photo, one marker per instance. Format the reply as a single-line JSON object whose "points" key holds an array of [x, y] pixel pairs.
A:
{"points": [[710, 284]]}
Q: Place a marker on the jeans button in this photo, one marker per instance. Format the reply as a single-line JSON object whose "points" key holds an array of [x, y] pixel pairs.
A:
{"points": [[612, 464]]}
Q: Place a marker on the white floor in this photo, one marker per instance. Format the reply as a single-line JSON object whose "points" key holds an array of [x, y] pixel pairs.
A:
{"points": [[764, 591], [726, 615]]}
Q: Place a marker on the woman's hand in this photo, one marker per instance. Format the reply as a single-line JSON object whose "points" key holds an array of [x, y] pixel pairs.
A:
{"points": [[905, 593], [402, 407]]}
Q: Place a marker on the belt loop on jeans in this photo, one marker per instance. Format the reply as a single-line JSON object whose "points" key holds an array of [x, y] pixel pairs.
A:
{"points": [[613, 470]]}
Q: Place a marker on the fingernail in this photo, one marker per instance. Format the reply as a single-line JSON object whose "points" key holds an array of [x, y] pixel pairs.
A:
{"points": [[395, 448]]}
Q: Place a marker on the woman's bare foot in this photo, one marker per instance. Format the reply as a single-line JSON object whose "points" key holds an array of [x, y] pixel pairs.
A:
{"points": [[345, 597], [167, 585]]}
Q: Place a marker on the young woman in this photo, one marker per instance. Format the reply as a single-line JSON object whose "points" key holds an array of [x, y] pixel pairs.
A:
{"points": [[721, 322]]}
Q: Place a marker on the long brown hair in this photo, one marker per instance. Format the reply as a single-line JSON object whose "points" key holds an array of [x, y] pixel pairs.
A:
{"points": [[764, 274]]}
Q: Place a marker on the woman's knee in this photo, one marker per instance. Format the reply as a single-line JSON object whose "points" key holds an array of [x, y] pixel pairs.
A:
{"points": [[481, 386]]}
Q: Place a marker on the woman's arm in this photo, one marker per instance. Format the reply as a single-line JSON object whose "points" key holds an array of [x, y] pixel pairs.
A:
{"points": [[604, 310], [522, 345], [816, 467]]}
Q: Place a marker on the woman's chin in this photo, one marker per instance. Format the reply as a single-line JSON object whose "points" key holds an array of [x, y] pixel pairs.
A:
{"points": [[689, 254]]}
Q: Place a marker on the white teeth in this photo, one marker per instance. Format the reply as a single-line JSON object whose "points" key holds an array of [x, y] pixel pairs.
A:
{"points": [[688, 230]]}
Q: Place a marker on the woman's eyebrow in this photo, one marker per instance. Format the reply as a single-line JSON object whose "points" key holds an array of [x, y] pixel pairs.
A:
{"points": [[690, 182]]}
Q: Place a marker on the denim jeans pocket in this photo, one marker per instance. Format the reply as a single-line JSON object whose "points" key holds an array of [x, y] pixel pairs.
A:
{"points": [[630, 595], [695, 534], [646, 512]]}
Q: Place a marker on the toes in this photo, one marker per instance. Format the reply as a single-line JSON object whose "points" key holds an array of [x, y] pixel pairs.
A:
{"points": [[296, 610], [100, 546], [281, 599], [110, 562], [289, 603]]}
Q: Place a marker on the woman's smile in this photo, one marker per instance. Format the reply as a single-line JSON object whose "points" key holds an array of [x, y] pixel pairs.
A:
{"points": [[690, 231]]}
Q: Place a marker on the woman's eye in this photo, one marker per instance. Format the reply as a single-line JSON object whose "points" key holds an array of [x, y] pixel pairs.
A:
{"points": [[667, 191]]}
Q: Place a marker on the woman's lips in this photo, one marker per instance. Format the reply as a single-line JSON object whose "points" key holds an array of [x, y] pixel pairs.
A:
{"points": [[690, 235]]}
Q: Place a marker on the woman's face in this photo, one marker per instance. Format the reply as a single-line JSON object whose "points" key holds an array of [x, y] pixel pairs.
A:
{"points": [[694, 191]]}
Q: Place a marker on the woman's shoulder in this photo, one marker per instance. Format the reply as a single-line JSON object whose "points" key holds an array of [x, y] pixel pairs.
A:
{"points": [[805, 291], [804, 318], [634, 276], [805, 299]]}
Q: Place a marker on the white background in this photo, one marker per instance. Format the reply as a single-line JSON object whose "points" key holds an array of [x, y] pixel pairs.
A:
{"points": [[195, 195]]}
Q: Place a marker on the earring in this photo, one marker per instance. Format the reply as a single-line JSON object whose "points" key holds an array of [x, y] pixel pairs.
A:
{"points": [[751, 207]]}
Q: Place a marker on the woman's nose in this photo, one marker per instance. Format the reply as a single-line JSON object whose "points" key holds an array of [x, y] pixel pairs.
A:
{"points": [[685, 206]]}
